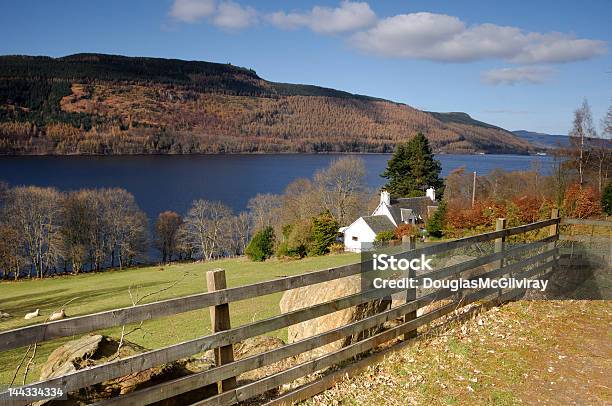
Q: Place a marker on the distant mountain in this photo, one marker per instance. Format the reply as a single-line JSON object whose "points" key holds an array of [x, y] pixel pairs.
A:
{"points": [[542, 140], [110, 104]]}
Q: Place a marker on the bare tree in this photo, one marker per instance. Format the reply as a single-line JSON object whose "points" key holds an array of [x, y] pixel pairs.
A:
{"points": [[239, 229], [11, 249], [126, 226], [78, 220], [601, 150], [35, 215], [582, 131], [166, 232], [206, 227], [341, 188], [263, 208]]}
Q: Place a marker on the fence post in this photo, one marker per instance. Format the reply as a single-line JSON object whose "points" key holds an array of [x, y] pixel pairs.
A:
{"points": [[500, 243], [219, 321], [554, 230], [411, 294]]}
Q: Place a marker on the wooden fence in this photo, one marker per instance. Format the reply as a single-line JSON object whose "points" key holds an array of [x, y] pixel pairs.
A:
{"points": [[218, 298]]}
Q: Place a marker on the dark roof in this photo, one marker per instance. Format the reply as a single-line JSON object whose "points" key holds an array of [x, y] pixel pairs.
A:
{"points": [[418, 205], [379, 223]]}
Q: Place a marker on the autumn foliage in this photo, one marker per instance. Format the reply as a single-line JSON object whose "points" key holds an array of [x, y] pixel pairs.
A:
{"points": [[581, 202]]}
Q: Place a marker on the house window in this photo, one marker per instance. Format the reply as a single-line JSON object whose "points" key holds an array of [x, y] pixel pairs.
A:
{"points": [[355, 238]]}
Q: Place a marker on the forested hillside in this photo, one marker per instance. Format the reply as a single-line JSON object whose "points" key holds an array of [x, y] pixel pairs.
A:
{"points": [[105, 104]]}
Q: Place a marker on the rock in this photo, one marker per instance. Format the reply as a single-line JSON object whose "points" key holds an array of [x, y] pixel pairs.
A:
{"points": [[4, 315], [399, 298], [323, 292], [257, 345], [97, 349]]}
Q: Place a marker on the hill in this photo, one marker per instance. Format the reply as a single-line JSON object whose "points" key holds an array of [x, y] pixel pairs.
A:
{"points": [[542, 140], [109, 104]]}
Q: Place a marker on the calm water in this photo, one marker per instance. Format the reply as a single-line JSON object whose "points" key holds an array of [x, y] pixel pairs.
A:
{"points": [[172, 182]]}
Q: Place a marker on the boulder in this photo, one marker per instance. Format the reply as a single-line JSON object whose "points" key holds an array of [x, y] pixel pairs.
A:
{"points": [[399, 298], [323, 292], [97, 349], [257, 345]]}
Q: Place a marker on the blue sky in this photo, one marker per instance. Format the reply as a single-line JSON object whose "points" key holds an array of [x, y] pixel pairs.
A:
{"points": [[517, 64]]}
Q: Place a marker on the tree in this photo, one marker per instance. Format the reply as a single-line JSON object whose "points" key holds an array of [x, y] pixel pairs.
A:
{"points": [[166, 231], [263, 209], [239, 233], [601, 150], [206, 227], [606, 199], [580, 134], [341, 187], [261, 246], [34, 213], [78, 221], [125, 226], [412, 169], [11, 249], [324, 233], [436, 223]]}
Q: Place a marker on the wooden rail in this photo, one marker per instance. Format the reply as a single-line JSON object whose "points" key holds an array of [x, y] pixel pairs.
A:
{"points": [[587, 222], [224, 337]]}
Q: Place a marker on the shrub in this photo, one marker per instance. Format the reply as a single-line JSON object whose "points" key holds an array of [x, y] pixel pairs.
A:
{"points": [[385, 236], [336, 248], [606, 199], [261, 246], [324, 233], [297, 241], [436, 223], [402, 230], [581, 202]]}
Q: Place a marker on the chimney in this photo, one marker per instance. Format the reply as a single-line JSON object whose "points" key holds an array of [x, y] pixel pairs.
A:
{"points": [[385, 197], [431, 193]]}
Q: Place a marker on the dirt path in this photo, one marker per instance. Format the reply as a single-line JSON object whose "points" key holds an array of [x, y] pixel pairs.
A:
{"points": [[538, 352]]}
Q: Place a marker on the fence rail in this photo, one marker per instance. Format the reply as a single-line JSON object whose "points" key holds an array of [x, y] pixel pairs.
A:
{"points": [[227, 369]]}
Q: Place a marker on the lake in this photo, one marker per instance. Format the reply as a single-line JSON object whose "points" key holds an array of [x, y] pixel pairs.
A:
{"points": [[172, 182]]}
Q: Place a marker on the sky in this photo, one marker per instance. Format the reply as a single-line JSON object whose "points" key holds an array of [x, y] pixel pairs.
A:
{"points": [[516, 64]]}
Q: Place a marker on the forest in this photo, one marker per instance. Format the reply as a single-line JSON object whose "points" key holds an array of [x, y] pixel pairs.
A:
{"points": [[92, 104]]}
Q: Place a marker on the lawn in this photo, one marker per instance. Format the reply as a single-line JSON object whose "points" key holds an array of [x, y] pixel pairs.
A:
{"points": [[111, 289]]}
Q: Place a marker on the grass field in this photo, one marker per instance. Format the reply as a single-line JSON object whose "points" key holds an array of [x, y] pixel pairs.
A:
{"points": [[108, 290], [525, 352]]}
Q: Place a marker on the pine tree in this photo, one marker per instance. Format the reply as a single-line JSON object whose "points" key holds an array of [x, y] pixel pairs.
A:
{"points": [[412, 169], [435, 225], [261, 246], [324, 233]]}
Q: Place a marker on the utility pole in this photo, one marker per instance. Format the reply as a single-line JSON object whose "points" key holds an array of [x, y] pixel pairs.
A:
{"points": [[474, 190]]}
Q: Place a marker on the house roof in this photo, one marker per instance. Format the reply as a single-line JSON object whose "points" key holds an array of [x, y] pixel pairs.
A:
{"points": [[419, 206], [379, 223]]}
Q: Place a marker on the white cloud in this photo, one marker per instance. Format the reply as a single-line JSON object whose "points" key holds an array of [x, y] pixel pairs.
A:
{"points": [[440, 37], [349, 16], [190, 11], [522, 74], [233, 16]]}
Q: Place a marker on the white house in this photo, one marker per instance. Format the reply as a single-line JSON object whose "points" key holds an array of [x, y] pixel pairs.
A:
{"points": [[389, 213]]}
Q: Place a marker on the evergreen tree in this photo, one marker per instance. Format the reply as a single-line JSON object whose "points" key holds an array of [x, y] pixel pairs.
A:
{"points": [[261, 246], [324, 233], [412, 169], [606, 199], [435, 225]]}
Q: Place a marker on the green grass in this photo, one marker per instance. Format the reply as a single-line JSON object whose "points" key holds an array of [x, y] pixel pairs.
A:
{"points": [[108, 290]]}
